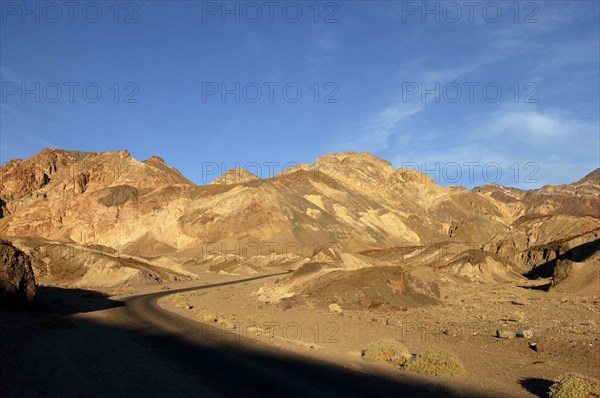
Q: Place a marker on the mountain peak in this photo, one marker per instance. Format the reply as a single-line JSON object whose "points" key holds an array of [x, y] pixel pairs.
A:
{"points": [[346, 157], [357, 169], [235, 176], [591, 178], [155, 158], [52, 170]]}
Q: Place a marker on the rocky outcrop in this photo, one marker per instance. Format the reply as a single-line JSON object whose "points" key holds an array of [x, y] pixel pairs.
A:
{"points": [[377, 287], [95, 266], [576, 269], [17, 283]]}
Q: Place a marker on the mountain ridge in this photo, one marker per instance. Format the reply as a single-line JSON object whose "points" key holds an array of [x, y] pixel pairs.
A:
{"points": [[353, 200]]}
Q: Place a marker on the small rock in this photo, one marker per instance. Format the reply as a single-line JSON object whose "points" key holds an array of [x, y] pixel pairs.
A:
{"points": [[335, 308], [525, 333], [505, 334], [519, 302], [393, 322], [534, 346]]}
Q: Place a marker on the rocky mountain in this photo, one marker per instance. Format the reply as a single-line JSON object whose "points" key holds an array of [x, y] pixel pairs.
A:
{"points": [[372, 214]]}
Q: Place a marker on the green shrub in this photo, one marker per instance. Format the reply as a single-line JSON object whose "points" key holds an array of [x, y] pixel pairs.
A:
{"points": [[387, 350], [436, 362], [574, 385]]}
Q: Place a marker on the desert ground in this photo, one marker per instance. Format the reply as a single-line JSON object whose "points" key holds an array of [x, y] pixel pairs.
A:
{"points": [[128, 344]]}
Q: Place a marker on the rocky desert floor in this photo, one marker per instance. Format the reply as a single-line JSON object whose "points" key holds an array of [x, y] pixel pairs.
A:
{"points": [[119, 347], [566, 331]]}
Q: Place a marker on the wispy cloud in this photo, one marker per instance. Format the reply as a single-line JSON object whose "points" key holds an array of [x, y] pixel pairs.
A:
{"points": [[375, 134], [562, 147], [531, 124]]}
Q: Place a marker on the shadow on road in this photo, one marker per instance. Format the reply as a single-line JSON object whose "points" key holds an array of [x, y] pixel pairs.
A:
{"points": [[72, 301]]}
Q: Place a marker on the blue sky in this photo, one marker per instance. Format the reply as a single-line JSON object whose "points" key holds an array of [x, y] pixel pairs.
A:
{"points": [[375, 76]]}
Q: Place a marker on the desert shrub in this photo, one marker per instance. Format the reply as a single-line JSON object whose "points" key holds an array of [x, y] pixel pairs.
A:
{"points": [[54, 321], [574, 385], [262, 321], [436, 362], [387, 350], [207, 315]]}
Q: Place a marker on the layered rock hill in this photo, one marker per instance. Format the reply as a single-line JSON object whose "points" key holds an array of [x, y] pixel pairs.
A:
{"points": [[375, 215]]}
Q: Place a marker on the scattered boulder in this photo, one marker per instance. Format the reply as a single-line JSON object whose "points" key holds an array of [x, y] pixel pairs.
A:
{"points": [[505, 334], [534, 346], [17, 282], [525, 333]]}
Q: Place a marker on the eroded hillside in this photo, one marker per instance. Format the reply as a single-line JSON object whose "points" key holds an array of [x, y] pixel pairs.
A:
{"points": [[133, 222]]}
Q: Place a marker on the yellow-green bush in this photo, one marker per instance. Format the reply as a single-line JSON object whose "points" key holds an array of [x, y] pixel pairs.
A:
{"points": [[574, 385], [387, 350], [436, 362]]}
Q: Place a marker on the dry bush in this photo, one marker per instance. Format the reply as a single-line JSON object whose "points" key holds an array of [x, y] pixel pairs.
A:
{"points": [[207, 315], [262, 321], [436, 362], [574, 385], [387, 350]]}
